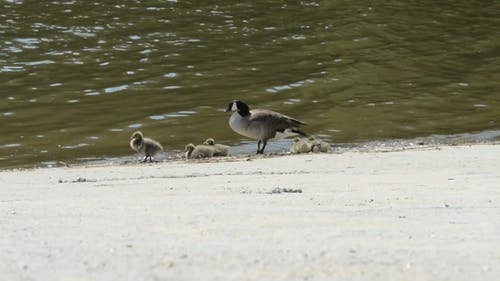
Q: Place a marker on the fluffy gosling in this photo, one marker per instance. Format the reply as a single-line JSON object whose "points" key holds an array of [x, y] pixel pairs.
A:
{"points": [[300, 146], [199, 151], [318, 145], [146, 146], [219, 149]]}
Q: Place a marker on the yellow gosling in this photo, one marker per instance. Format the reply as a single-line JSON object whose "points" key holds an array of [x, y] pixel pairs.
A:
{"points": [[318, 145], [146, 146], [199, 151], [219, 149], [300, 146]]}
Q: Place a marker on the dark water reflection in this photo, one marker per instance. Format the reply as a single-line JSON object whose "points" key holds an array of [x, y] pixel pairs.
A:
{"points": [[79, 76]]}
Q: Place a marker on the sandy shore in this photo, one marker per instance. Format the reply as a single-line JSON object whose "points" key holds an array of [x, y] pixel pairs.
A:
{"points": [[422, 214]]}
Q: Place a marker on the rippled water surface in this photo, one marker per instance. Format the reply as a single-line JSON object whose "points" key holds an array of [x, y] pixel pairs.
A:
{"points": [[77, 77]]}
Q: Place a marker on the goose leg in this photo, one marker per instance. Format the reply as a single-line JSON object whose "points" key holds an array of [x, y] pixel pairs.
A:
{"points": [[145, 159], [264, 146], [258, 147]]}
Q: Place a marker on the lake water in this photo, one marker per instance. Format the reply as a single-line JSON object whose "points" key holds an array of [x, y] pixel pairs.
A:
{"points": [[78, 77]]}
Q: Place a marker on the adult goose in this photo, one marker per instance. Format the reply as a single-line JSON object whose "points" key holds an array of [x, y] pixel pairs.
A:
{"points": [[261, 124]]}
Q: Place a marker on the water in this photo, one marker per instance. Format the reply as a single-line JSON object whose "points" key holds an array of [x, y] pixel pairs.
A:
{"points": [[78, 77]]}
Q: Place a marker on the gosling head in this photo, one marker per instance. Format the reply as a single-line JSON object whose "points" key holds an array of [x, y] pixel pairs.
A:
{"points": [[312, 138], [188, 150], [296, 140], [137, 135], [209, 141]]}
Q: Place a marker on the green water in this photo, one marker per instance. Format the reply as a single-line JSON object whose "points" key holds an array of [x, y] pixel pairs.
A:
{"points": [[78, 77]]}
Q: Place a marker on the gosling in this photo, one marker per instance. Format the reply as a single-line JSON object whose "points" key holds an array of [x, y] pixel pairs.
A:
{"points": [[145, 146], [199, 151], [300, 146], [219, 149], [318, 145]]}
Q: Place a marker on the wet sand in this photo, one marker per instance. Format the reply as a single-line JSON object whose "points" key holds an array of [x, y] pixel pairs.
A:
{"points": [[420, 214]]}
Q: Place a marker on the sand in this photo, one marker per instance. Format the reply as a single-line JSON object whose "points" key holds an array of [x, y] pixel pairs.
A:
{"points": [[420, 214]]}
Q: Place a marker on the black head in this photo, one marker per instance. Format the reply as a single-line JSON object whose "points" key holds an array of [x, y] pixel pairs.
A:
{"points": [[239, 106]]}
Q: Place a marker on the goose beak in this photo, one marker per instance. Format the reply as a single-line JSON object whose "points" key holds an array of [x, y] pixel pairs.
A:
{"points": [[229, 107]]}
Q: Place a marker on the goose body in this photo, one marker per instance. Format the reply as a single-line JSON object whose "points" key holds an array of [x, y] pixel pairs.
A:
{"points": [[146, 146], [199, 151], [219, 149], [261, 124]]}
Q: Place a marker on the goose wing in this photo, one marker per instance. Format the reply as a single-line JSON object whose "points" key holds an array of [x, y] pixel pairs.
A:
{"points": [[268, 122], [274, 119]]}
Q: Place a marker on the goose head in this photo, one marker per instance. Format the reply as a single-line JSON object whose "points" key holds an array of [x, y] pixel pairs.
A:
{"points": [[238, 106]]}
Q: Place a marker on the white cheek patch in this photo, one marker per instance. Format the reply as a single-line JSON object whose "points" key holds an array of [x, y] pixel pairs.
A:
{"points": [[234, 107]]}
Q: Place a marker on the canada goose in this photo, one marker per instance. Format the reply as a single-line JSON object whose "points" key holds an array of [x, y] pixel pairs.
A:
{"points": [[300, 146], [145, 145], [199, 151], [219, 149], [318, 145], [261, 124]]}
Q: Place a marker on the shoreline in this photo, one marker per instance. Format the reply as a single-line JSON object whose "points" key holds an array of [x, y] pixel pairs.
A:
{"points": [[177, 157], [281, 147], [429, 213]]}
